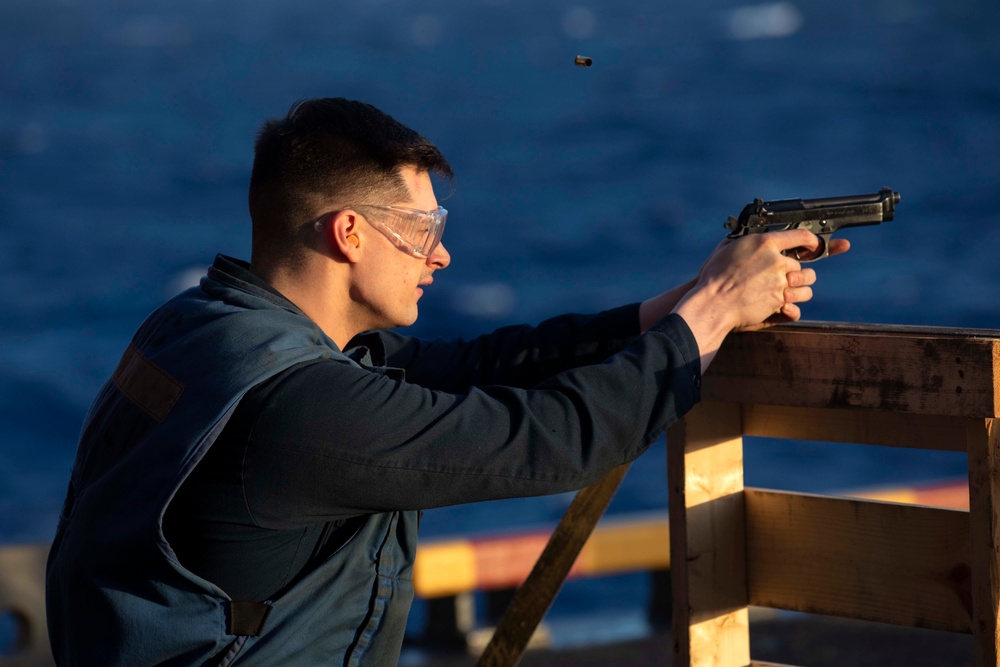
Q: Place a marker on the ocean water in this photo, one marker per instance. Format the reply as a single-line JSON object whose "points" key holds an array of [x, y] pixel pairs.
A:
{"points": [[126, 135]]}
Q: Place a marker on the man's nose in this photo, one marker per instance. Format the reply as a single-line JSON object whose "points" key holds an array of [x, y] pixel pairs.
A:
{"points": [[440, 258]]}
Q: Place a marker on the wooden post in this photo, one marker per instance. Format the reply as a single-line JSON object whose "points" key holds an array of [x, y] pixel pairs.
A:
{"points": [[708, 538], [535, 595], [984, 517], [894, 386]]}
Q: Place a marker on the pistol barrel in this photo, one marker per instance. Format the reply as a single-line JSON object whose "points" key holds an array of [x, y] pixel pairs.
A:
{"points": [[821, 216]]}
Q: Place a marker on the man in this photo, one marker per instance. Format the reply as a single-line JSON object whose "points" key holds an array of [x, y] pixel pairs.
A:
{"points": [[248, 483]]}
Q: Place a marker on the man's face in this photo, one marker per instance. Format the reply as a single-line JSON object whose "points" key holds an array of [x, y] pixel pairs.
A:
{"points": [[390, 281]]}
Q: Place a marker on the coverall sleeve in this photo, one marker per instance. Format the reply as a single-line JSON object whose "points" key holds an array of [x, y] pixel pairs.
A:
{"points": [[516, 356], [332, 440]]}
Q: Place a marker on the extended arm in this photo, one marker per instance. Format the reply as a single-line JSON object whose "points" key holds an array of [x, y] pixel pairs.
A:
{"points": [[331, 440], [517, 356]]}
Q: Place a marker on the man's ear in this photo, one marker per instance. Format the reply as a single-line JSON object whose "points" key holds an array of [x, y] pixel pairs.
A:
{"points": [[344, 234]]}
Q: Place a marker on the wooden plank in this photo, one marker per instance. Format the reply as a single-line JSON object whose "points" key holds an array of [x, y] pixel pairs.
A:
{"points": [[893, 429], [535, 596], [870, 560], [912, 330], [705, 473], [984, 511], [624, 543], [893, 371], [951, 495]]}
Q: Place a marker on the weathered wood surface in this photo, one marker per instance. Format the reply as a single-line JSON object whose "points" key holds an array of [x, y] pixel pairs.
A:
{"points": [[707, 553], [984, 514], [895, 386], [533, 598], [887, 385], [888, 562], [871, 427], [895, 369]]}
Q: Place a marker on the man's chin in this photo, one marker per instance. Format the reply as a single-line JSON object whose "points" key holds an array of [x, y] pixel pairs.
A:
{"points": [[408, 320]]}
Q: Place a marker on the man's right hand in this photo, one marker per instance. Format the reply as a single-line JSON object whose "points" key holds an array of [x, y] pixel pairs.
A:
{"points": [[746, 281]]}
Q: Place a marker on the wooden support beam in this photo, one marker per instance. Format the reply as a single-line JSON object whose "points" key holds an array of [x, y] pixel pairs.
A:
{"points": [[705, 473], [871, 427], [892, 369], [869, 560], [535, 596], [984, 511]]}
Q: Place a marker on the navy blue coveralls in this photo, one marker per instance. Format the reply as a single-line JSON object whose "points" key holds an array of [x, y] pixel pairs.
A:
{"points": [[117, 594]]}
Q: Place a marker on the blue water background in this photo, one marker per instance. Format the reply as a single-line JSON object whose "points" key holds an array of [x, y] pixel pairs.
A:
{"points": [[126, 134]]}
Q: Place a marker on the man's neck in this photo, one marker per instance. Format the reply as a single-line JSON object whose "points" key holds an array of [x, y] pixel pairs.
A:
{"points": [[317, 293]]}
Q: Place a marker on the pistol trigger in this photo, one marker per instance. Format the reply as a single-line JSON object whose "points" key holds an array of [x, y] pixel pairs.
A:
{"points": [[819, 253], [804, 257], [824, 240]]}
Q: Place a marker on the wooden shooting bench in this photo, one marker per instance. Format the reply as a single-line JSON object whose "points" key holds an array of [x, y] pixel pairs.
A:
{"points": [[732, 546]]}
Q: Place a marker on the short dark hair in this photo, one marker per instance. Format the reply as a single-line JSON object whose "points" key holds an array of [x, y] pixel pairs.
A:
{"points": [[328, 152]]}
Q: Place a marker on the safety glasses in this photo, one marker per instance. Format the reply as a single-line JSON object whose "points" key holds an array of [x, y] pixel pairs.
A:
{"points": [[413, 231]]}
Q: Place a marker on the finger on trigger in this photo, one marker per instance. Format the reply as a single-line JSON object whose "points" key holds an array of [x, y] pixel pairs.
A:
{"points": [[796, 238]]}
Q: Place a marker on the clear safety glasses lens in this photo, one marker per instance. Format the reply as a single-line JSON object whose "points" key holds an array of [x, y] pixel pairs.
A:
{"points": [[412, 231]]}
